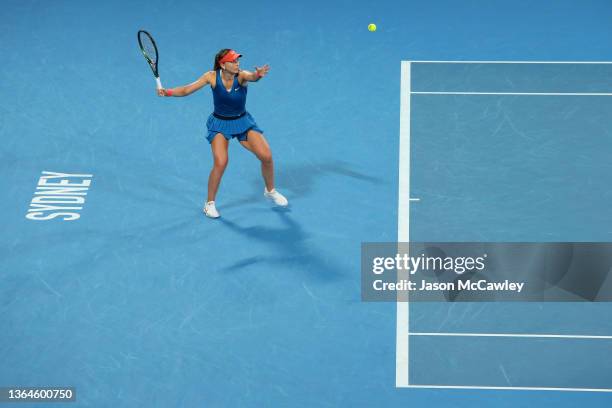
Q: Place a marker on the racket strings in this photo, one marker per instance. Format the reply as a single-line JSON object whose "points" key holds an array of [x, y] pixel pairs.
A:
{"points": [[148, 48]]}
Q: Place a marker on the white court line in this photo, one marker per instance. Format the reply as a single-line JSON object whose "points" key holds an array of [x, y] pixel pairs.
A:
{"points": [[515, 93], [403, 227], [551, 336], [414, 199], [512, 62], [477, 387], [403, 334]]}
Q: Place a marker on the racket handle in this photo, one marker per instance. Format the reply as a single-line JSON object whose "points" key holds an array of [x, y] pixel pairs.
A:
{"points": [[159, 84]]}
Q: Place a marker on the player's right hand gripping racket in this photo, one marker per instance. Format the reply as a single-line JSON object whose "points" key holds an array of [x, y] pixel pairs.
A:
{"points": [[149, 50]]}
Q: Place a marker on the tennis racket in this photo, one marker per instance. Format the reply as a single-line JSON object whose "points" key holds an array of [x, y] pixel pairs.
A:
{"points": [[149, 50]]}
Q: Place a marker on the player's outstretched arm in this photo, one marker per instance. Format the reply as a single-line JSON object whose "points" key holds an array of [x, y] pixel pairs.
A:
{"points": [[255, 76], [187, 89]]}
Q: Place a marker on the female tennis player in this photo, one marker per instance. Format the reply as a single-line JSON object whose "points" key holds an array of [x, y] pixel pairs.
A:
{"points": [[231, 120]]}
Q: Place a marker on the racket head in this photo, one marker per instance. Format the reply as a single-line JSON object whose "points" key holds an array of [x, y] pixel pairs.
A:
{"points": [[149, 50]]}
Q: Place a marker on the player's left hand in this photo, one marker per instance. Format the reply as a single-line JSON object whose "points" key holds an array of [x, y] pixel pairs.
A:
{"points": [[262, 71]]}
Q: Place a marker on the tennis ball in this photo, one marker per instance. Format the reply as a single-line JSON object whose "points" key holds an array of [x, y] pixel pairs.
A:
{"points": [[372, 27]]}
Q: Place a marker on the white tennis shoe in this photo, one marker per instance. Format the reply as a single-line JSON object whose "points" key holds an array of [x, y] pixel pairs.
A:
{"points": [[277, 197], [210, 210]]}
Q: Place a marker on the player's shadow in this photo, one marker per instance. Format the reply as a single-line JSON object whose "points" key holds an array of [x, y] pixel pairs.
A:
{"points": [[300, 180], [289, 242]]}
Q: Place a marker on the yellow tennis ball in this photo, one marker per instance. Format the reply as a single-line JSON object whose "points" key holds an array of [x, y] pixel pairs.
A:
{"points": [[372, 27]]}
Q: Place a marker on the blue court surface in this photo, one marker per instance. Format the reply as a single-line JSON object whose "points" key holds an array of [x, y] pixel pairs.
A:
{"points": [[127, 293]]}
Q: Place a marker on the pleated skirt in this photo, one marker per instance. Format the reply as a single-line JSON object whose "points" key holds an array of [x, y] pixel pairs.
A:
{"points": [[231, 128]]}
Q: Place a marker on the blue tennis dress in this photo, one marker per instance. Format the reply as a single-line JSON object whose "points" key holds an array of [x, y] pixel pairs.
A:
{"points": [[230, 117]]}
